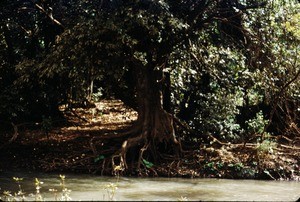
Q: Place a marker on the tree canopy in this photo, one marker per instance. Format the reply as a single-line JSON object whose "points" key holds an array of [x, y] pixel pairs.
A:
{"points": [[227, 69]]}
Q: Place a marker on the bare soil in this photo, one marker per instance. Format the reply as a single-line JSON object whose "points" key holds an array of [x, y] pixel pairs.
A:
{"points": [[88, 138]]}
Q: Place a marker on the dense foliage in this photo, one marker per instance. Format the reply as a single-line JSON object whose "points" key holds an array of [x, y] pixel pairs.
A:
{"points": [[236, 93], [232, 67]]}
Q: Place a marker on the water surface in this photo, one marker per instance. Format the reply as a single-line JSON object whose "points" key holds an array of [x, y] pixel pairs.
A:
{"points": [[90, 187]]}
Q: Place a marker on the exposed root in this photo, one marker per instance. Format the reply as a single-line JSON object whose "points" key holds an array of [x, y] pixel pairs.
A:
{"points": [[118, 169], [157, 130], [92, 146], [132, 142], [110, 151], [142, 150]]}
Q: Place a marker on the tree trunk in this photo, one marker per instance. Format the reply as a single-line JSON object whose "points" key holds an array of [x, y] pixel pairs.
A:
{"points": [[155, 131]]}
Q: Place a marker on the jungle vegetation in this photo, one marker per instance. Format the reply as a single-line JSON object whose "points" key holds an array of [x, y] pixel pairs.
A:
{"points": [[194, 70]]}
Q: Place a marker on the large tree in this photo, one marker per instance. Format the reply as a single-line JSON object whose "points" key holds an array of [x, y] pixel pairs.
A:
{"points": [[147, 38]]}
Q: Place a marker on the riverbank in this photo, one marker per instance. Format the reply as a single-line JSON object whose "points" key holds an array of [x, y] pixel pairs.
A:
{"points": [[73, 145], [84, 187]]}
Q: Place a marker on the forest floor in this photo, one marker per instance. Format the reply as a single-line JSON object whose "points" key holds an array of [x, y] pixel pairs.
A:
{"points": [[73, 145]]}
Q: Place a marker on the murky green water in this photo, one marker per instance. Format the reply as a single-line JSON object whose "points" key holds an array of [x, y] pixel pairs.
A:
{"points": [[89, 187]]}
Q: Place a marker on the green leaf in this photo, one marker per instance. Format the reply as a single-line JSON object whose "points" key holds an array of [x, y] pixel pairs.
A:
{"points": [[148, 164], [99, 158]]}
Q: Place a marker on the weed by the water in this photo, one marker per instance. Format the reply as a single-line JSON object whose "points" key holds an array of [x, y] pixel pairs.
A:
{"points": [[111, 190], [182, 199], [38, 196], [17, 196], [20, 195], [61, 194]]}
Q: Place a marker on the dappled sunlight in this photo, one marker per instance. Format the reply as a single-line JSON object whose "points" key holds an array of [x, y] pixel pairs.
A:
{"points": [[105, 113], [69, 145], [215, 84]]}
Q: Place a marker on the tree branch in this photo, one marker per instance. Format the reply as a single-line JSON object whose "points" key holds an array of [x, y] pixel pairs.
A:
{"points": [[48, 14]]}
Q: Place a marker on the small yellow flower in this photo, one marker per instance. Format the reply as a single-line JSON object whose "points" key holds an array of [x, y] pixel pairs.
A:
{"points": [[62, 177], [118, 168], [7, 193], [17, 179]]}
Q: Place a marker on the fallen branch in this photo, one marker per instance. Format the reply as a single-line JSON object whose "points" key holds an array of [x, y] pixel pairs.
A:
{"points": [[16, 133], [81, 118], [289, 147], [14, 137]]}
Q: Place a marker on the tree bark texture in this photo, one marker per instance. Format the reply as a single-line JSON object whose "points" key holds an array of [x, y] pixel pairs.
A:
{"points": [[155, 130]]}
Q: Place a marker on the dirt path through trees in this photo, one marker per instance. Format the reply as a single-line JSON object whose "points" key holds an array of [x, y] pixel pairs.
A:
{"points": [[66, 144], [90, 139]]}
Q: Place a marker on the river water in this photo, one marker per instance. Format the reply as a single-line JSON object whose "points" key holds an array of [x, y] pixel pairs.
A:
{"points": [[92, 188]]}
